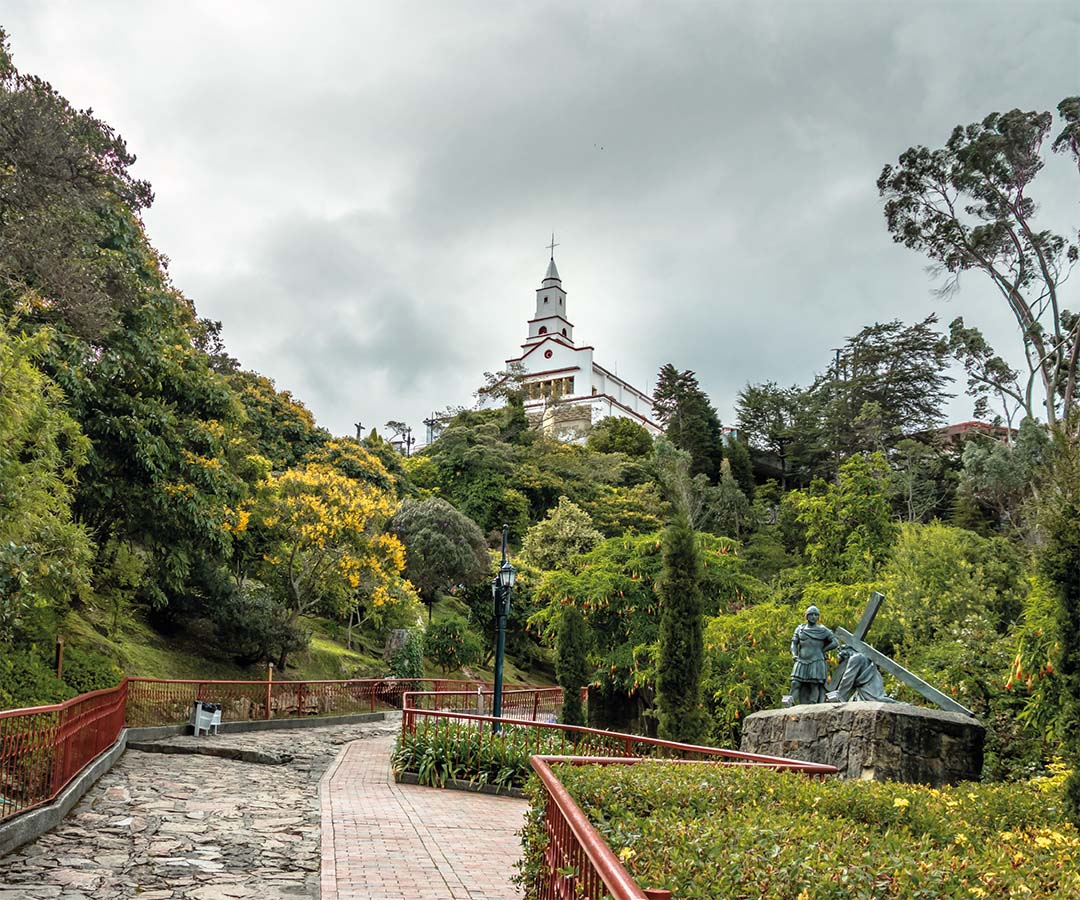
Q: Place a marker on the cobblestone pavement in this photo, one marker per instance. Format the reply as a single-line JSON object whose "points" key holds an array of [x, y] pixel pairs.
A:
{"points": [[385, 841], [160, 827]]}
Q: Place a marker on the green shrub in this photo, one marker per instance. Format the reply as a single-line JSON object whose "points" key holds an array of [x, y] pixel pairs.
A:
{"points": [[705, 832], [1060, 564], [749, 665], [27, 679], [252, 625], [451, 644]]}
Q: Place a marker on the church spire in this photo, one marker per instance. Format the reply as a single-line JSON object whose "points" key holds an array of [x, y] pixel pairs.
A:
{"points": [[552, 272]]}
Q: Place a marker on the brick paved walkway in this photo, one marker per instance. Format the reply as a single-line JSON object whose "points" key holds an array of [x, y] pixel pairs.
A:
{"points": [[385, 841]]}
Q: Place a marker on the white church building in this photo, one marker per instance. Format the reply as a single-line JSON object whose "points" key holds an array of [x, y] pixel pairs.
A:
{"points": [[566, 390]]}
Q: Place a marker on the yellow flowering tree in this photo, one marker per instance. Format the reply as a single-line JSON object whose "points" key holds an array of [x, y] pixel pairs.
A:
{"points": [[317, 538]]}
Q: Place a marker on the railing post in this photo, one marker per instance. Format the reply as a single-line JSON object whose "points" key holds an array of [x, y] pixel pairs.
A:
{"points": [[300, 700], [536, 704], [269, 685]]}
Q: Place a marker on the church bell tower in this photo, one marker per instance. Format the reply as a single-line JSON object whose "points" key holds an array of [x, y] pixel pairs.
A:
{"points": [[550, 317]]}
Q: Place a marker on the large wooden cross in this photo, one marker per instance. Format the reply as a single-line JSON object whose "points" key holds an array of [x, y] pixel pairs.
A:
{"points": [[857, 642]]}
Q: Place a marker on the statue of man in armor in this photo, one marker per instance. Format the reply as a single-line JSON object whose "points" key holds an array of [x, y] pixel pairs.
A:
{"points": [[809, 645]]}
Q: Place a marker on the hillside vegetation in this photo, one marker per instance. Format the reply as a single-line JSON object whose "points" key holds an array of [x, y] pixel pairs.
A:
{"points": [[171, 513]]}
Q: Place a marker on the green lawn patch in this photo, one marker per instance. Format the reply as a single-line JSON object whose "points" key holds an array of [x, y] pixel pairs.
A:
{"points": [[710, 832]]}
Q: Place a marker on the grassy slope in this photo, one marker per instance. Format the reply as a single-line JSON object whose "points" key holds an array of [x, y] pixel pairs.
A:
{"points": [[141, 651]]}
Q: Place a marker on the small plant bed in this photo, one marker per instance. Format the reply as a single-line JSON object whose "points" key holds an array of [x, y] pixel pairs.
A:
{"points": [[710, 832], [473, 754]]}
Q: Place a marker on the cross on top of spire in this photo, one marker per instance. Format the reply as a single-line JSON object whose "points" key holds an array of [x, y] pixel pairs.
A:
{"points": [[552, 245]]}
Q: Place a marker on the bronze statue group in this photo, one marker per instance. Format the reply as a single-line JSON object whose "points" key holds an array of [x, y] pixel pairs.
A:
{"points": [[859, 677]]}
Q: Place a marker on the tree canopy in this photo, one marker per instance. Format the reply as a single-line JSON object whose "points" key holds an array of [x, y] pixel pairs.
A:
{"points": [[969, 206], [689, 419], [443, 547]]}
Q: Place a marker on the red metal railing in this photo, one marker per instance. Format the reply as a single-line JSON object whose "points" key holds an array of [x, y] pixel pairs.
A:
{"points": [[155, 701], [44, 747], [534, 704]]}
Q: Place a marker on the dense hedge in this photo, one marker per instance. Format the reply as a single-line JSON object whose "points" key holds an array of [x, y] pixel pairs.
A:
{"points": [[716, 832]]}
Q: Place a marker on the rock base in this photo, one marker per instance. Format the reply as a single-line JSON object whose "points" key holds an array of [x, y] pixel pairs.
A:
{"points": [[873, 741]]}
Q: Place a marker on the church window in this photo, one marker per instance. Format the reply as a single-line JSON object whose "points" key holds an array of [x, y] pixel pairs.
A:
{"points": [[543, 329], [547, 354], [545, 299], [564, 331]]}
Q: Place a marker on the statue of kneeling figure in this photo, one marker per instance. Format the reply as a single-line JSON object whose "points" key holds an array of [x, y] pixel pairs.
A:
{"points": [[861, 680]]}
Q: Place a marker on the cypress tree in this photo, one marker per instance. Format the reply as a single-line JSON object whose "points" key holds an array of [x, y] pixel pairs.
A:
{"points": [[682, 608], [571, 665]]}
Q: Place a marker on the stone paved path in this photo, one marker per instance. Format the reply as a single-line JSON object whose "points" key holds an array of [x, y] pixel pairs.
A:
{"points": [[385, 841], [178, 827]]}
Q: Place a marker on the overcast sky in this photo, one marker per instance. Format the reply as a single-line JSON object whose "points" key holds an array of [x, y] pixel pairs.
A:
{"points": [[362, 192]]}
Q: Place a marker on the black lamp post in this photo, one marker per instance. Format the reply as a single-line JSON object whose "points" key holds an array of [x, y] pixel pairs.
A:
{"points": [[500, 593]]}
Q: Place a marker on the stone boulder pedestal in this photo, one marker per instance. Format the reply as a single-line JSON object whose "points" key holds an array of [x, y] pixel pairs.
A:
{"points": [[872, 741]]}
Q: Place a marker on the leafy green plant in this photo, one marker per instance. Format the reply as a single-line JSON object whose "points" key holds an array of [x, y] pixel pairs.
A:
{"points": [[437, 752], [614, 587], [849, 525]]}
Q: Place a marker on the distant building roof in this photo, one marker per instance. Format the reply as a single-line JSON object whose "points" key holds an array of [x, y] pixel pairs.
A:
{"points": [[961, 430]]}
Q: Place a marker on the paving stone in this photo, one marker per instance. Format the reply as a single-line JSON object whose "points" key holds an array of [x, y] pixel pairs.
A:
{"points": [[159, 827], [202, 827]]}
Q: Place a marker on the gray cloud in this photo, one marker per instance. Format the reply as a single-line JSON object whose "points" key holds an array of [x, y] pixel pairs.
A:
{"points": [[361, 192]]}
